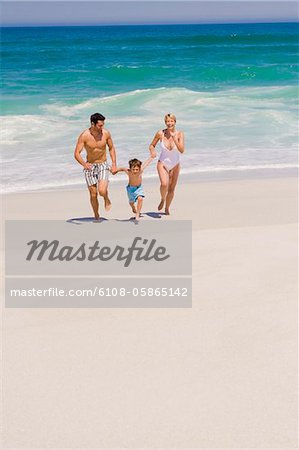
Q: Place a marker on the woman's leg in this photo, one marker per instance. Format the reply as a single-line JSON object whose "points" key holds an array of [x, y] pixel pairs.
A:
{"points": [[164, 183], [173, 179]]}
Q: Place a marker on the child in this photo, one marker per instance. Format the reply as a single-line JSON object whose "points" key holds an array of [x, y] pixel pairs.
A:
{"points": [[134, 188]]}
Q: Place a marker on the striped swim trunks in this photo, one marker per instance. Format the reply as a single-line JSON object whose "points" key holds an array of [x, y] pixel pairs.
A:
{"points": [[99, 171]]}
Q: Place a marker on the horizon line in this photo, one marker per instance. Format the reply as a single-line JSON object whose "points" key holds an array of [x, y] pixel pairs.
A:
{"points": [[44, 25]]}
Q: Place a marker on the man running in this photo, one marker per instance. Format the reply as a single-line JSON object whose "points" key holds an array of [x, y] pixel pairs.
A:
{"points": [[96, 170]]}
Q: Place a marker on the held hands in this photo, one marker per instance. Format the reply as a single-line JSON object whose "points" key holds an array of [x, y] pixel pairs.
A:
{"points": [[88, 166], [113, 169]]}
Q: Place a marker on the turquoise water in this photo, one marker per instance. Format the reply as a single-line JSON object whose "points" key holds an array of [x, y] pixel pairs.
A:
{"points": [[232, 87]]}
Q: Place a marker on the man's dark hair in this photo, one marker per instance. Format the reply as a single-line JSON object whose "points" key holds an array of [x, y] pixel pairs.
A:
{"points": [[134, 162], [94, 118]]}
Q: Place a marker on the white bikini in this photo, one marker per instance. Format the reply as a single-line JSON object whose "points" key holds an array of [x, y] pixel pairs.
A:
{"points": [[169, 158]]}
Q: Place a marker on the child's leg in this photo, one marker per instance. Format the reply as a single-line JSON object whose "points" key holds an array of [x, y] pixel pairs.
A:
{"points": [[133, 207], [139, 206]]}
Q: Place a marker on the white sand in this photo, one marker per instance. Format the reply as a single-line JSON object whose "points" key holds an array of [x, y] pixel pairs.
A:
{"points": [[220, 375]]}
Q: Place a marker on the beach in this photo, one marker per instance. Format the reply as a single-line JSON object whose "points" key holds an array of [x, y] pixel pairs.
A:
{"points": [[221, 374]]}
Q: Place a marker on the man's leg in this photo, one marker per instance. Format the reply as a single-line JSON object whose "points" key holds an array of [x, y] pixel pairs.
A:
{"points": [[93, 193], [164, 182], [103, 191], [173, 179]]}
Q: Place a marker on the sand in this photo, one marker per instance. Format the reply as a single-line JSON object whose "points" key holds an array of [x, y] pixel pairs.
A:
{"points": [[222, 374]]}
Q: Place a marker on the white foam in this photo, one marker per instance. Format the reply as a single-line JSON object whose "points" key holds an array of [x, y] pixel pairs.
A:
{"points": [[234, 129], [68, 110]]}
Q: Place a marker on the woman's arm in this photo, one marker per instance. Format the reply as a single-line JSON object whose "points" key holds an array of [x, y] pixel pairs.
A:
{"points": [[147, 162], [154, 143], [179, 140]]}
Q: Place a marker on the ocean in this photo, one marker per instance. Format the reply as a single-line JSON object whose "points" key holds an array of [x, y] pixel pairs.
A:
{"points": [[233, 88]]}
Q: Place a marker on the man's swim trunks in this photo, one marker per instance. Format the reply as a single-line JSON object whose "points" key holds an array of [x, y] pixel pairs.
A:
{"points": [[134, 192], [99, 171]]}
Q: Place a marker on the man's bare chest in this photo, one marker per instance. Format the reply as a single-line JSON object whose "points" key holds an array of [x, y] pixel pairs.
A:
{"points": [[96, 142]]}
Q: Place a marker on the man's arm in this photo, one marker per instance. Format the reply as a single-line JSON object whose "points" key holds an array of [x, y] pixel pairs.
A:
{"points": [[112, 152], [147, 162], [120, 169], [77, 153]]}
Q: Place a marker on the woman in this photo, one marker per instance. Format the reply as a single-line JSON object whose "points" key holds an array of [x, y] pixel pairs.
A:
{"points": [[171, 143]]}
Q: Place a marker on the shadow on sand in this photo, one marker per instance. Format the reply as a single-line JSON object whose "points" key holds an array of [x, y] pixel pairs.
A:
{"points": [[130, 220], [154, 214], [80, 220]]}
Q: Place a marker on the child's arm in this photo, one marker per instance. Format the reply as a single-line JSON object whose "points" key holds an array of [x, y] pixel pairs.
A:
{"points": [[121, 169], [147, 162]]}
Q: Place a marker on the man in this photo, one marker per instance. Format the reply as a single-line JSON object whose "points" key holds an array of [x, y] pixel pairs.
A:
{"points": [[96, 170]]}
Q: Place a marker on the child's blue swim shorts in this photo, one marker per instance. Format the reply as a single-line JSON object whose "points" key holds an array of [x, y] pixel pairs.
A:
{"points": [[134, 192]]}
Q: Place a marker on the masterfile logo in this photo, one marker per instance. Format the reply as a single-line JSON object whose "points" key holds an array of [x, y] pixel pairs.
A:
{"points": [[110, 248], [140, 249], [111, 264]]}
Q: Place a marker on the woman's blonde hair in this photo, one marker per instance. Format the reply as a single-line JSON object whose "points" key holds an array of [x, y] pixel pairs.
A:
{"points": [[169, 116]]}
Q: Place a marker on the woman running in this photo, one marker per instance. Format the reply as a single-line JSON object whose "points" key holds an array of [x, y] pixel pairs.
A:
{"points": [[171, 143]]}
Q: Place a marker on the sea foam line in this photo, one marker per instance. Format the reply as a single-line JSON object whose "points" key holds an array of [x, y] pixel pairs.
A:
{"points": [[184, 171]]}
